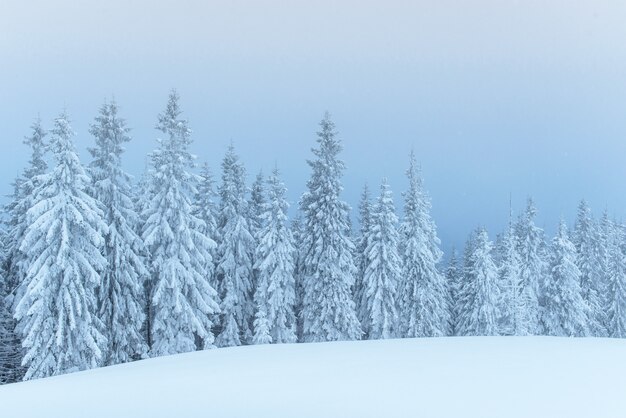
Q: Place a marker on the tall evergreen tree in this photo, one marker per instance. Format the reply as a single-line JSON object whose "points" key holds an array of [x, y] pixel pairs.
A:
{"points": [[511, 309], [532, 269], [182, 298], [479, 291], [565, 312], [235, 256], [120, 294], [586, 240], [382, 270], [363, 240], [57, 310], [615, 300], [328, 309], [13, 260], [422, 293], [275, 296]]}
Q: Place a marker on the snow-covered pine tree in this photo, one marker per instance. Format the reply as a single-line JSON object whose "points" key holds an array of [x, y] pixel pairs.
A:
{"points": [[586, 241], [454, 278], [182, 298], [120, 294], [328, 309], [275, 297], [510, 308], [422, 296], [235, 252], [479, 291], [382, 269], [615, 298], [62, 243], [13, 259], [205, 208], [565, 312], [532, 270], [363, 240]]}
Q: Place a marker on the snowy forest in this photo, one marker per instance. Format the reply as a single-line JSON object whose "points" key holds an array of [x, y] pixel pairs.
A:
{"points": [[97, 269]]}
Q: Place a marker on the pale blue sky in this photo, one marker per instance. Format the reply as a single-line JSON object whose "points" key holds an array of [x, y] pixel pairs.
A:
{"points": [[496, 97]]}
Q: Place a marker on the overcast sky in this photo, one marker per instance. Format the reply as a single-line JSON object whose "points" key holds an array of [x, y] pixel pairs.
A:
{"points": [[497, 98]]}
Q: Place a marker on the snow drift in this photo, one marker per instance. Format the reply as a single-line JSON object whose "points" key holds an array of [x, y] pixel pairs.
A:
{"points": [[459, 377]]}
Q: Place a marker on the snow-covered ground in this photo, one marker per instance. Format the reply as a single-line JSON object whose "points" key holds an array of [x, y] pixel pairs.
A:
{"points": [[480, 377]]}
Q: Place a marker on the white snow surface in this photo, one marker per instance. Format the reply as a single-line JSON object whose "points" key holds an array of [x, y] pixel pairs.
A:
{"points": [[456, 377]]}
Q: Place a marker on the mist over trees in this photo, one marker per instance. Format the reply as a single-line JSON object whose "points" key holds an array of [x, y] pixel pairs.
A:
{"points": [[97, 269]]}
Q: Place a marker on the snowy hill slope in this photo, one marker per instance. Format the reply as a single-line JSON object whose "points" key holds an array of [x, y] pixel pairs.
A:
{"points": [[448, 377]]}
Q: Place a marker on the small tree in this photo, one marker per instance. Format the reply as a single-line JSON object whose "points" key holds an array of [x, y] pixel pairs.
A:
{"points": [[480, 291], [565, 310], [382, 271]]}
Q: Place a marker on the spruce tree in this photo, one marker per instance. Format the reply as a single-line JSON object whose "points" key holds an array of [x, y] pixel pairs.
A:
{"points": [[586, 241], [532, 269], [328, 309], [511, 308], [615, 300], [363, 240], [57, 310], [422, 293], [120, 293], [565, 311], [479, 291], [13, 260], [275, 297], [235, 255], [182, 298], [382, 270]]}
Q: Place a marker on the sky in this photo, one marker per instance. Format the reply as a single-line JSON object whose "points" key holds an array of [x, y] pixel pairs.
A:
{"points": [[500, 100]]}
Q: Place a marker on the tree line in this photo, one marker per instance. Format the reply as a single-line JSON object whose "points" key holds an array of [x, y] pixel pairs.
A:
{"points": [[97, 270]]}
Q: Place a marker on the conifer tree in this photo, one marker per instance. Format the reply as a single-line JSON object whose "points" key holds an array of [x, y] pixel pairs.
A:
{"points": [[235, 256], [382, 270], [363, 240], [615, 300], [422, 293], [120, 293], [586, 241], [62, 243], [532, 269], [328, 309], [479, 291], [565, 312], [183, 301], [13, 260], [511, 308], [274, 296]]}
